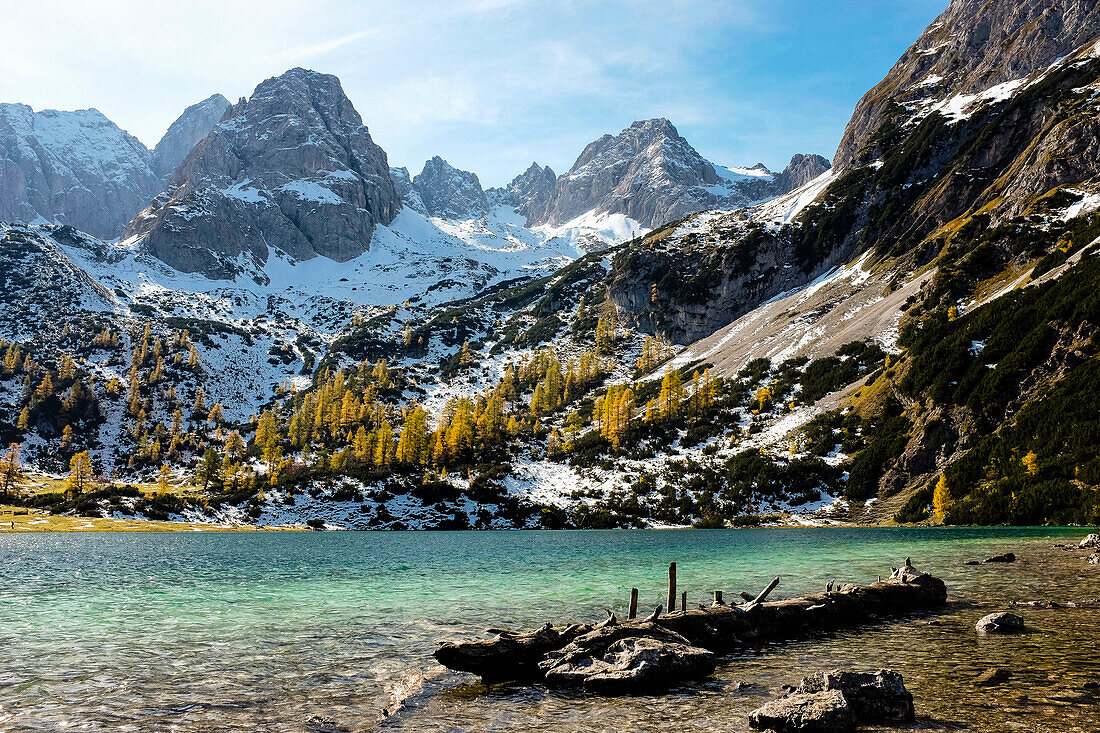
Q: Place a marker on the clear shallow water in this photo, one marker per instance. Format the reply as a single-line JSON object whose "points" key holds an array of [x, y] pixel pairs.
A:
{"points": [[330, 631]]}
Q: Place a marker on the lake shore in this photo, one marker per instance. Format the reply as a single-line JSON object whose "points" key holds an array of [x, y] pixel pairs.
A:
{"points": [[20, 520]]}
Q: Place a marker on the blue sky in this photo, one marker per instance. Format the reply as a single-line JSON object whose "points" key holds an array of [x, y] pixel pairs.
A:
{"points": [[490, 85]]}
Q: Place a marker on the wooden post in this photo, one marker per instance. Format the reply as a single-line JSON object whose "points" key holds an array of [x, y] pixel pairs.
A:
{"points": [[684, 602], [632, 612], [671, 604], [764, 593], [718, 598]]}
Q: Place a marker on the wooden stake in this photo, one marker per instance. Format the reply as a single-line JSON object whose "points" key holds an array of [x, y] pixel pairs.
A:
{"points": [[671, 600], [718, 598], [764, 593], [632, 612], [747, 597], [684, 602]]}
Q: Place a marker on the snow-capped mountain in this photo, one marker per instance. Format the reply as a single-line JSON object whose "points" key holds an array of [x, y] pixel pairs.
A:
{"points": [[81, 169], [450, 193], [651, 175], [292, 169], [193, 125], [74, 167], [529, 192]]}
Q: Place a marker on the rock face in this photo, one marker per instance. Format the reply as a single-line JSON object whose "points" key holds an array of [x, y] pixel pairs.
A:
{"points": [[1000, 623], [292, 168], [973, 46], [193, 125], [529, 193], [73, 168], [450, 193], [651, 174], [801, 170], [406, 192], [627, 659]]}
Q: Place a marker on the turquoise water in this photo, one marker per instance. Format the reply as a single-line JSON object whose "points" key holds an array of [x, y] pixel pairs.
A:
{"points": [[334, 631]]}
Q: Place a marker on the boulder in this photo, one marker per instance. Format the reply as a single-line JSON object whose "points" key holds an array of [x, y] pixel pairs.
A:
{"points": [[992, 676], [1007, 557], [1000, 623], [875, 697], [821, 712], [1093, 540], [618, 660]]}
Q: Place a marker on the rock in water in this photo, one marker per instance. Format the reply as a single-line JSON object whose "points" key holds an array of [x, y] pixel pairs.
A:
{"points": [[822, 712], [1094, 559], [1093, 540], [992, 676], [1007, 557], [875, 697], [627, 659], [1000, 623]]}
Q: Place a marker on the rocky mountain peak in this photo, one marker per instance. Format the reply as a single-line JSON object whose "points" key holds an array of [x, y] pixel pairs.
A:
{"points": [[291, 168], [75, 167], [193, 125], [529, 192], [651, 174], [801, 170], [450, 193], [973, 46]]}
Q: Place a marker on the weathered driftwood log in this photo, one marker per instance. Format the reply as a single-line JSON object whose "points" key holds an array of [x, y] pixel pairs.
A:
{"points": [[717, 629]]}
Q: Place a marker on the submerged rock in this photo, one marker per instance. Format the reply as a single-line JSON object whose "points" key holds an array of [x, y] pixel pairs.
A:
{"points": [[1094, 559], [822, 712], [1007, 557], [1000, 623], [992, 676], [627, 659]]}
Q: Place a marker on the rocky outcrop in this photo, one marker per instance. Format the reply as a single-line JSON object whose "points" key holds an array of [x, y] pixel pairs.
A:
{"points": [[801, 170], [193, 125], [292, 169], [973, 46], [406, 192], [73, 168], [529, 193], [450, 193]]}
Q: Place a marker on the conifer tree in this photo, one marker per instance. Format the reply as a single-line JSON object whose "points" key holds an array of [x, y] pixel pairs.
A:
{"points": [[11, 470], [80, 474]]}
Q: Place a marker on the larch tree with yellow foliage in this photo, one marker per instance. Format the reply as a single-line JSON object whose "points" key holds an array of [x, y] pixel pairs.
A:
{"points": [[80, 474]]}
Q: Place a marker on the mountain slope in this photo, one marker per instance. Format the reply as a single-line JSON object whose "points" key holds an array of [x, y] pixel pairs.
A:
{"points": [[292, 169], [75, 168], [185, 133]]}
